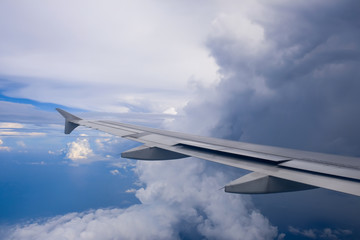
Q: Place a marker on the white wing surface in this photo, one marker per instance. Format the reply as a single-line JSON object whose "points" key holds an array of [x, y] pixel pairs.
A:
{"points": [[273, 169]]}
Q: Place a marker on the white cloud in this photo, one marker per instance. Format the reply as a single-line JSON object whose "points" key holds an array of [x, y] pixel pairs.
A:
{"points": [[4, 148], [124, 164], [58, 151], [79, 151], [100, 142], [11, 125], [115, 172], [38, 163], [131, 190], [171, 111], [84, 151], [136, 222], [116, 53], [13, 133], [17, 129], [180, 199]]}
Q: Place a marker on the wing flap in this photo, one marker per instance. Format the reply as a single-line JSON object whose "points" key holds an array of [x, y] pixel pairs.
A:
{"points": [[236, 151], [323, 168]]}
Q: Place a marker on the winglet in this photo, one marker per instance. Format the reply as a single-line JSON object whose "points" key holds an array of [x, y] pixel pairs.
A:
{"points": [[70, 120]]}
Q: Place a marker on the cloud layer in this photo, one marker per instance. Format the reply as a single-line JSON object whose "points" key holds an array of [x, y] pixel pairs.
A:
{"points": [[179, 200], [113, 56]]}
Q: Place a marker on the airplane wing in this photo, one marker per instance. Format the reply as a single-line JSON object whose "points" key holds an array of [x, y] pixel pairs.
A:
{"points": [[272, 169]]}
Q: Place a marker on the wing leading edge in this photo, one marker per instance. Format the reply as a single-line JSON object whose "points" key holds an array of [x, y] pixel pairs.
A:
{"points": [[273, 169]]}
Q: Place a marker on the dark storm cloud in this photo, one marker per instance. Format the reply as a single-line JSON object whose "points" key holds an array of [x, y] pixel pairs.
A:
{"points": [[295, 84], [300, 88]]}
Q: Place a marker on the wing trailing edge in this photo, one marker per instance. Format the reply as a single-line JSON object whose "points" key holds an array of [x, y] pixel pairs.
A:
{"points": [[274, 169]]}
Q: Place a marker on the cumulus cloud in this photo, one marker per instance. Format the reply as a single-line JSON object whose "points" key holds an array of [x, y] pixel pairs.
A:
{"points": [[79, 151], [191, 187], [85, 150]]}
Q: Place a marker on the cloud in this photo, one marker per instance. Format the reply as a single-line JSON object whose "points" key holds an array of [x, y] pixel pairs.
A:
{"points": [[124, 164], [31, 134], [279, 81], [26, 113], [310, 233], [100, 142], [79, 151], [21, 144], [170, 111], [85, 150], [17, 129], [115, 172], [4, 148], [11, 125], [326, 233], [126, 55], [186, 205], [290, 85], [131, 190], [281, 236]]}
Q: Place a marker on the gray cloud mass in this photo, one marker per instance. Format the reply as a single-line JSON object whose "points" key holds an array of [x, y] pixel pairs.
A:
{"points": [[300, 88], [294, 82]]}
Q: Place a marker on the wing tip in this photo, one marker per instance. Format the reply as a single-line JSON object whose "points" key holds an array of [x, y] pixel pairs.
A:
{"points": [[68, 116], [70, 120]]}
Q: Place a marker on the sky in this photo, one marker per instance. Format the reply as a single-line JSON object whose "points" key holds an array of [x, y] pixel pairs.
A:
{"points": [[280, 73]]}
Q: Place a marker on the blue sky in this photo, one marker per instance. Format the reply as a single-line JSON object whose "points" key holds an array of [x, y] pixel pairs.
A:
{"points": [[268, 72]]}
